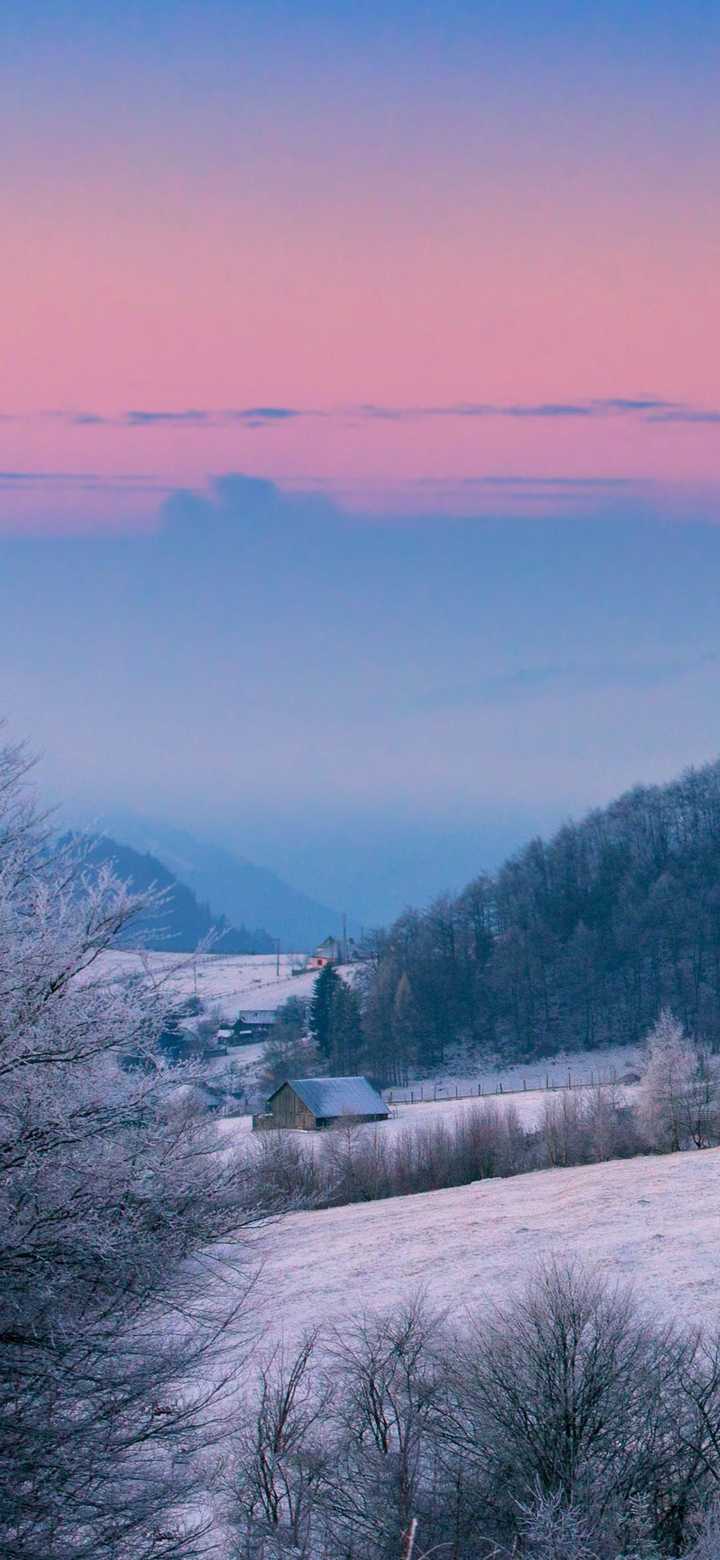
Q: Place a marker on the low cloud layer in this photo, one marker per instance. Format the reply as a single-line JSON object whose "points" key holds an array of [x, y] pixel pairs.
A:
{"points": [[643, 408]]}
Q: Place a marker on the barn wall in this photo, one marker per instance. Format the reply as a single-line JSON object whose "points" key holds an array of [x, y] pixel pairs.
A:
{"points": [[288, 1111]]}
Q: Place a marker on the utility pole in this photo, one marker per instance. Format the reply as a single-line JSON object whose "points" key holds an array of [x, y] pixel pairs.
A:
{"points": [[277, 956]]}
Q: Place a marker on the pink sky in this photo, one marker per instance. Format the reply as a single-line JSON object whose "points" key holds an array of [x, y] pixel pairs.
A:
{"points": [[542, 235]]}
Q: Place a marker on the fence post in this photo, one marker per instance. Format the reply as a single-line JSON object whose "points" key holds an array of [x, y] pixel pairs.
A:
{"points": [[422, 1091], [524, 1085], [456, 1091], [547, 1081], [412, 1097]]}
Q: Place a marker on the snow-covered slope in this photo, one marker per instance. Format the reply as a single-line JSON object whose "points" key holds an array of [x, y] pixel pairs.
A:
{"points": [[229, 982], [654, 1221]]}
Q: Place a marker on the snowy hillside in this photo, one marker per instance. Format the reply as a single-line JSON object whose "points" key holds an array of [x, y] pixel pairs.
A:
{"points": [[229, 982], [653, 1221]]}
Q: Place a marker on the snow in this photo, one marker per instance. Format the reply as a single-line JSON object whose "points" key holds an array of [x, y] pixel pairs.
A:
{"points": [[229, 982], [339, 1096], [405, 1117], [653, 1221], [583, 1066]]}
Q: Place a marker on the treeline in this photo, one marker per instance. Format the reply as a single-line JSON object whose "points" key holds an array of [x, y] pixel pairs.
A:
{"points": [[351, 1163], [576, 943], [563, 1426]]}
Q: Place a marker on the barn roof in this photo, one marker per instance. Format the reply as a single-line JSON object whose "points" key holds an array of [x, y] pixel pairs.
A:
{"points": [[338, 1096]]}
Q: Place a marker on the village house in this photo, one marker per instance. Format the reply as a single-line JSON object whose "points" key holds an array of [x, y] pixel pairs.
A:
{"points": [[309, 1104], [255, 1023], [329, 951]]}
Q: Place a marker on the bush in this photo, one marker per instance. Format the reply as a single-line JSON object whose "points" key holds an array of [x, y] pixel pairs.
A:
{"points": [[565, 1425]]}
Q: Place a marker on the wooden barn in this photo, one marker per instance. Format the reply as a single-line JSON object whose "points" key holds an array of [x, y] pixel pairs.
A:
{"points": [[309, 1104]]}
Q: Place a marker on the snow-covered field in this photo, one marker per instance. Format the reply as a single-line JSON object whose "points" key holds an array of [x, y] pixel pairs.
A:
{"points": [[654, 1221], [225, 982], [600, 1066]]}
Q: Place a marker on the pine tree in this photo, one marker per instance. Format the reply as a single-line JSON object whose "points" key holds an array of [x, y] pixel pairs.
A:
{"points": [[321, 1010], [346, 1036]]}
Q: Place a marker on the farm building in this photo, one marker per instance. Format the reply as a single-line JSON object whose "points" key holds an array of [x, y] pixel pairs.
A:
{"points": [[329, 951], [308, 1104], [255, 1022]]}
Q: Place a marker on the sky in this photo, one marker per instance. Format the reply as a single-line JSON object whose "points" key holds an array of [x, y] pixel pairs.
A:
{"points": [[360, 422]]}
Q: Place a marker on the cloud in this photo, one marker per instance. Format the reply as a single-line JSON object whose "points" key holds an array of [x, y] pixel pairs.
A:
{"points": [[260, 414], [189, 417], [647, 409], [574, 484], [94, 479], [609, 406], [686, 414], [549, 409]]}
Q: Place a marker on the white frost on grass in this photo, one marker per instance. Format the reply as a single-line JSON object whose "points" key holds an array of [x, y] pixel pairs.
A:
{"points": [[653, 1221], [229, 982], [597, 1066], [529, 1108]]}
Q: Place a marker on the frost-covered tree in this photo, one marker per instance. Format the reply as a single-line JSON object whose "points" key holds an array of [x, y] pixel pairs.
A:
{"points": [[111, 1196], [667, 1090]]}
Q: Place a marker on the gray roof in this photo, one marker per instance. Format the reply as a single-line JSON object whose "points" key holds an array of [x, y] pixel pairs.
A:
{"points": [[338, 1096]]}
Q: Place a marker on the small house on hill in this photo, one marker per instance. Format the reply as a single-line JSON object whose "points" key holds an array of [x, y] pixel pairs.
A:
{"points": [[329, 951], [308, 1104]]}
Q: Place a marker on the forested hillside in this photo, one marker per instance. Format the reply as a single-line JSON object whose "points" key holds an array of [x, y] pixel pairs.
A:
{"points": [[181, 922], [576, 942]]}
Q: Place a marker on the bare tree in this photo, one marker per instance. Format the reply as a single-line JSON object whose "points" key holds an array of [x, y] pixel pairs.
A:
{"points": [[388, 1377], [111, 1195], [543, 1385], [565, 1426], [563, 1128], [280, 1461], [702, 1101]]}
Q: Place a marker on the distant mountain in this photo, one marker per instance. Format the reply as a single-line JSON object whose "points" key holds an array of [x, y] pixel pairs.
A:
{"points": [[246, 894], [182, 922]]}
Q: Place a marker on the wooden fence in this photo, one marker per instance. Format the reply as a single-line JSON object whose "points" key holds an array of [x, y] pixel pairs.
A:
{"points": [[424, 1094]]}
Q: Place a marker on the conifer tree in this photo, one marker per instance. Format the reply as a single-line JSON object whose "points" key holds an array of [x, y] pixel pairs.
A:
{"points": [[321, 1010], [346, 1036]]}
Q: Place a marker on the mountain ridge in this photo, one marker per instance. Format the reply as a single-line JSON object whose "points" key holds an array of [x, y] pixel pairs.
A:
{"points": [[237, 888], [182, 922]]}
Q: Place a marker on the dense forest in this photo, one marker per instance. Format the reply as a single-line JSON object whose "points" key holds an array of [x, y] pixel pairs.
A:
{"points": [[181, 923], [577, 942]]}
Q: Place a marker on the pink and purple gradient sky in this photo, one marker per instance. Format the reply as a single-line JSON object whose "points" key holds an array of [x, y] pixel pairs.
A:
{"points": [[448, 238], [418, 264]]}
